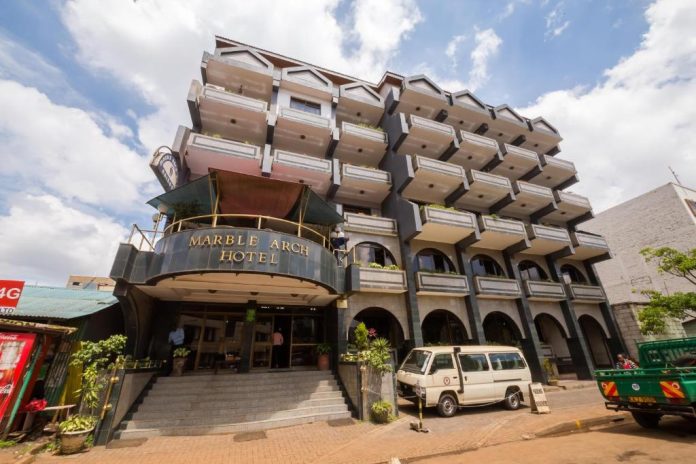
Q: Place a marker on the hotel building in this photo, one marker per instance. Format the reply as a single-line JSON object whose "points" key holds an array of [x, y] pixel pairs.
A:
{"points": [[459, 226]]}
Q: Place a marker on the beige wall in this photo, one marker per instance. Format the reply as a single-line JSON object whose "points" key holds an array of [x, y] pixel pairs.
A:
{"points": [[457, 306], [507, 307], [394, 303]]}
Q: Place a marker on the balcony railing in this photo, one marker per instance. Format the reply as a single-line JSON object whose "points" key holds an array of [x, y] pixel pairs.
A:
{"points": [[228, 98], [369, 224], [431, 283], [496, 287], [573, 199], [303, 117], [544, 291], [382, 280], [586, 293]]}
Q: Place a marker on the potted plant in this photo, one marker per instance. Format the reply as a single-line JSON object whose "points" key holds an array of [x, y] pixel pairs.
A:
{"points": [[74, 432], [179, 362], [381, 411], [551, 376], [323, 350]]}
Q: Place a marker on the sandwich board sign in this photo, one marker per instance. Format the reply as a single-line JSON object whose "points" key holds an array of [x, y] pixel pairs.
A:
{"points": [[10, 291], [539, 403]]}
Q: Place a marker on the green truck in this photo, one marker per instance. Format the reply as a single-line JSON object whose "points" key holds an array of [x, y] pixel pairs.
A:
{"points": [[664, 384]]}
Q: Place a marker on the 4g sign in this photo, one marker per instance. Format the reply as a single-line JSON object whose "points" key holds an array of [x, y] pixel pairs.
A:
{"points": [[10, 291]]}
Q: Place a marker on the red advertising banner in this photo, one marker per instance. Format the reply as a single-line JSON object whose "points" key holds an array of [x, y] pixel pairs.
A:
{"points": [[10, 291], [15, 350]]}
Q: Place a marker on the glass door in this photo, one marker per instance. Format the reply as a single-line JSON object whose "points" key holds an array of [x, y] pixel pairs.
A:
{"points": [[263, 344], [307, 332]]}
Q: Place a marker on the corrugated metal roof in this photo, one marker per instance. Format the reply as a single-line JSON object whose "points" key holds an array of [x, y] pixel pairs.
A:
{"points": [[61, 303]]}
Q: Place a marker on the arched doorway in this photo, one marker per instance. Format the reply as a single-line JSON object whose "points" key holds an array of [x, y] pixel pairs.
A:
{"points": [[596, 340], [383, 322], [365, 253], [441, 327], [432, 260], [572, 274], [501, 329], [553, 337]]}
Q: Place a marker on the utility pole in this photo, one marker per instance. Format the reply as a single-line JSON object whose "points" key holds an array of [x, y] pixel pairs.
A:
{"points": [[675, 175]]}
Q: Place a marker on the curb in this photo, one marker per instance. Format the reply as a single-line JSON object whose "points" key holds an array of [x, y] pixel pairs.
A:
{"points": [[580, 424]]}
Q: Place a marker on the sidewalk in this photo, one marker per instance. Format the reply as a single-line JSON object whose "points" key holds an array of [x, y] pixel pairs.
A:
{"points": [[351, 442]]}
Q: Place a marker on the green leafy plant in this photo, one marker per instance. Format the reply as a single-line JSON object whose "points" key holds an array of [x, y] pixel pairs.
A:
{"points": [[7, 443], [438, 206], [374, 265], [381, 412], [361, 334], [102, 353], [378, 356], [181, 352], [323, 348], [548, 368], [391, 267], [77, 423], [370, 126]]}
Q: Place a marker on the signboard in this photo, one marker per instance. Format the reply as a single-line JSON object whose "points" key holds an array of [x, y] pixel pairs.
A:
{"points": [[15, 349], [538, 399], [10, 291]]}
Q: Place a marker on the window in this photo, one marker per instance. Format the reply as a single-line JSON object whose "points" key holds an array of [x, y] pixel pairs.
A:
{"points": [[507, 361], [483, 265], [442, 361], [76, 284], [356, 210], [431, 260], [473, 362], [571, 273], [416, 361], [530, 270], [306, 106], [692, 206], [368, 253]]}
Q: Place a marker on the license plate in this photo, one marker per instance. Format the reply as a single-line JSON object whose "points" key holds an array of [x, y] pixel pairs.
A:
{"points": [[641, 399]]}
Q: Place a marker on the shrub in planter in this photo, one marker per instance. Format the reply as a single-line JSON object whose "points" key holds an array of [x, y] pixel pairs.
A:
{"points": [[180, 354], [74, 432], [381, 411], [323, 350]]}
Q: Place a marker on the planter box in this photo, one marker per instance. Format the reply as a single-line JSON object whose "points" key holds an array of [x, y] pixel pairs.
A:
{"points": [[431, 283]]}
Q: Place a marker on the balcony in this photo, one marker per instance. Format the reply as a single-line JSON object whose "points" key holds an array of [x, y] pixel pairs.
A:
{"points": [[437, 284], [554, 172], [302, 132], [362, 186], [543, 137], [586, 293], [365, 224], [306, 80], [445, 225], [498, 234], [545, 239], [467, 112], [484, 191], [358, 103], [308, 170], [475, 151], [419, 96], [507, 126], [570, 206], [241, 69], [516, 162], [588, 245], [528, 199], [361, 145], [496, 287], [204, 152], [381, 281], [433, 181], [420, 136], [537, 290], [228, 114]]}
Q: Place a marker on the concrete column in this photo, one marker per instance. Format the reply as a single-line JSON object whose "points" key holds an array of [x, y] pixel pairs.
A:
{"points": [[247, 344], [475, 322], [414, 322], [577, 345]]}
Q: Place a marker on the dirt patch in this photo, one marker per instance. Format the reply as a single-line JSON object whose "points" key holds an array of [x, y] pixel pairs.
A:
{"points": [[340, 422], [250, 436], [127, 443], [628, 455]]}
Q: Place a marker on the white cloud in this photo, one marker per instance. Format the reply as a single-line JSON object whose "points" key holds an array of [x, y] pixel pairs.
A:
{"points": [[63, 150], [451, 50], [42, 240], [624, 133], [487, 45], [511, 6], [156, 46], [556, 23]]}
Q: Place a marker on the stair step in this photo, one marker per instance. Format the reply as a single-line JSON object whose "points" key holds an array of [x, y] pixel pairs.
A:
{"points": [[236, 386], [233, 396], [224, 410], [226, 377], [230, 428]]}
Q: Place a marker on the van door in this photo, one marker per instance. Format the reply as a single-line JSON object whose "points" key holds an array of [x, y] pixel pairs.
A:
{"points": [[508, 369], [477, 379], [443, 375]]}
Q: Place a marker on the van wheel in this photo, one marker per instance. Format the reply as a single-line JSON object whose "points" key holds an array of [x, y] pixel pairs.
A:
{"points": [[447, 406], [646, 420], [512, 400]]}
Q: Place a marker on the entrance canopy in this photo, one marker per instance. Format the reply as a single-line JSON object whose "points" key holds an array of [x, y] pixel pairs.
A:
{"points": [[236, 193]]}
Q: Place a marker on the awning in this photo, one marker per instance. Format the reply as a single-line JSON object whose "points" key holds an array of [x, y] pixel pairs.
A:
{"points": [[53, 303], [245, 194]]}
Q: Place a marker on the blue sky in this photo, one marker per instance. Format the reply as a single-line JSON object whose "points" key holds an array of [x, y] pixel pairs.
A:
{"points": [[89, 89]]}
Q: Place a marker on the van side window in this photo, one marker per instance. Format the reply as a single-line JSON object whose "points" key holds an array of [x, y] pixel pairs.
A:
{"points": [[443, 361], [506, 361], [473, 362]]}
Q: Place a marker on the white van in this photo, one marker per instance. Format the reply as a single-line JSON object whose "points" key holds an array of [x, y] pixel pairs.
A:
{"points": [[453, 376]]}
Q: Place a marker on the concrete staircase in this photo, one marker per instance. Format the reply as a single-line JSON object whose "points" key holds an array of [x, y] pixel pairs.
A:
{"points": [[233, 403]]}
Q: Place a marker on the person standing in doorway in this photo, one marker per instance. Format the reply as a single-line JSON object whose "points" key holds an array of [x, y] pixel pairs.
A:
{"points": [[278, 342], [176, 340]]}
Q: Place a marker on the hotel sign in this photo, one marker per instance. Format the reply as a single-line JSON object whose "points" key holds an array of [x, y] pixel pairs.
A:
{"points": [[239, 248]]}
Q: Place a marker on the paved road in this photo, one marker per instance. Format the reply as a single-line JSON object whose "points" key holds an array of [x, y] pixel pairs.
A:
{"points": [[674, 441]]}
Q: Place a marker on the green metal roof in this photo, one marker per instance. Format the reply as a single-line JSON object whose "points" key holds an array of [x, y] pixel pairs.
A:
{"points": [[60, 303]]}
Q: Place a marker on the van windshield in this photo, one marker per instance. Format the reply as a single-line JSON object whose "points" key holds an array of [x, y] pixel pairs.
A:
{"points": [[416, 361]]}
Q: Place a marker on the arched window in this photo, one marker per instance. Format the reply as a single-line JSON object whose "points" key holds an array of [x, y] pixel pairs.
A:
{"points": [[529, 270], [483, 265], [432, 260], [572, 273], [368, 252]]}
